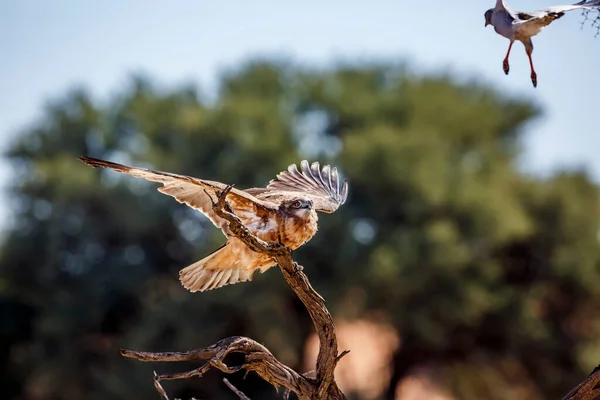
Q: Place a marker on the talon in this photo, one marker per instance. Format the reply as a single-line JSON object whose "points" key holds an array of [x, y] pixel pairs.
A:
{"points": [[506, 67], [534, 79]]}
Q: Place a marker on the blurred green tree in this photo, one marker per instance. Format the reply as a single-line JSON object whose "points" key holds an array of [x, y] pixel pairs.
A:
{"points": [[489, 275]]}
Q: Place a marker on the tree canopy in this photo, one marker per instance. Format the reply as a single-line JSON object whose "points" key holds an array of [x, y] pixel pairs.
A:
{"points": [[488, 274]]}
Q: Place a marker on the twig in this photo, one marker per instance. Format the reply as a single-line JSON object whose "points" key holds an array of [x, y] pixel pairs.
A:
{"points": [[258, 358], [235, 390], [595, 20]]}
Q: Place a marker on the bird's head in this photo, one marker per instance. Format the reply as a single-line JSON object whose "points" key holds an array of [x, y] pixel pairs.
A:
{"points": [[299, 206], [488, 16]]}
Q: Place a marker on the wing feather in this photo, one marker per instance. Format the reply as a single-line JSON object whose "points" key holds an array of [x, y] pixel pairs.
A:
{"points": [[192, 191], [321, 185], [545, 16], [296, 176], [308, 172]]}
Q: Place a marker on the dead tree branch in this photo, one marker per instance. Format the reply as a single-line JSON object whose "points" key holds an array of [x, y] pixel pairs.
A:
{"points": [[235, 390], [589, 389], [257, 357]]}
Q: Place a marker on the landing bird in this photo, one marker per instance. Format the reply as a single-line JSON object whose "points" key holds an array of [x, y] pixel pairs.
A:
{"points": [[522, 26], [285, 211]]}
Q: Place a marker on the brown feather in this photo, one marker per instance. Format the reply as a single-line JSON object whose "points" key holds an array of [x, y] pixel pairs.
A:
{"points": [[192, 191], [232, 263]]}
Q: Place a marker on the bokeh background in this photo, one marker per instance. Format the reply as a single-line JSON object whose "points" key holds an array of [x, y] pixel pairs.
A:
{"points": [[465, 265]]}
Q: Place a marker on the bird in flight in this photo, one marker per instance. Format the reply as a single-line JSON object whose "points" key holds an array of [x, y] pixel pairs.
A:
{"points": [[522, 26], [285, 211]]}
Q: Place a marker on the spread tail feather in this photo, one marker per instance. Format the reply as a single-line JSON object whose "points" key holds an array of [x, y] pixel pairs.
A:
{"points": [[213, 271]]}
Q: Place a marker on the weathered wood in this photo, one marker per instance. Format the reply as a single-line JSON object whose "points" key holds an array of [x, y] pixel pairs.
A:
{"points": [[589, 389]]}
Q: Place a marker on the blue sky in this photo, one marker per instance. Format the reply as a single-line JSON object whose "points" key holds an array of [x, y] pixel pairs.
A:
{"points": [[47, 47]]}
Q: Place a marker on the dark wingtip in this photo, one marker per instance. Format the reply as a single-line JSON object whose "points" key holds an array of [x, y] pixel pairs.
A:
{"points": [[98, 163], [92, 162]]}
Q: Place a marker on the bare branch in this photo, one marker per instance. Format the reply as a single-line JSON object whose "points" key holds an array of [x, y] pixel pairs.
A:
{"points": [[318, 384], [589, 389], [235, 390], [159, 388], [592, 15], [344, 353], [257, 358]]}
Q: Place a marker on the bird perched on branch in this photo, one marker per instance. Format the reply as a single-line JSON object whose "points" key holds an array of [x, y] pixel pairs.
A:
{"points": [[285, 211], [522, 26]]}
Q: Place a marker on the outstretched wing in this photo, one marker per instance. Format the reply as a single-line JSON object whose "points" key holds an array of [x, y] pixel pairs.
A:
{"points": [[193, 192], [542, 18], [534, 22], [321, 185]]}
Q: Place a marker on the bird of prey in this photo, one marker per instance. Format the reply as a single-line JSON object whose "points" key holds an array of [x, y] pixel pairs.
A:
{"points": [[522, 26], [285, 211]]}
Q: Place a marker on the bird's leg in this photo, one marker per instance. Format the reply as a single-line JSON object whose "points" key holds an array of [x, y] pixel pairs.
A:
{"points": [[533, 74], [505, 64]]}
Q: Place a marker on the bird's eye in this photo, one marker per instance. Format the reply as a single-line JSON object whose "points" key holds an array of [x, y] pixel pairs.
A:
{"points": [[297, 204]]}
